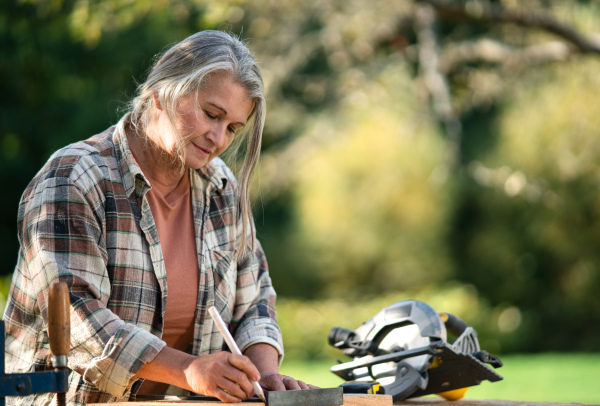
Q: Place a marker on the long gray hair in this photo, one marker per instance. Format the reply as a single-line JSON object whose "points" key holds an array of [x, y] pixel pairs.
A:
{"points": [[180, 71]]}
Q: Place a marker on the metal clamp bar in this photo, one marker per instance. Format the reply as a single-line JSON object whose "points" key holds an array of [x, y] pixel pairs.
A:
{"points": [[34, 382]]}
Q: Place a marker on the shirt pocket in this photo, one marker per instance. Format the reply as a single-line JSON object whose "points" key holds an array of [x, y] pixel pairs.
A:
{"points": [[224, 273]]}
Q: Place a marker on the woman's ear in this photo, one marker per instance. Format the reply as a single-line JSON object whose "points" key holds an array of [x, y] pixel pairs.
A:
{"points": [[156, 101]]}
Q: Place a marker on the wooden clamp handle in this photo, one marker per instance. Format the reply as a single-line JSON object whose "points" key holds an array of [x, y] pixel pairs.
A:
{"points": [[59, 315]]}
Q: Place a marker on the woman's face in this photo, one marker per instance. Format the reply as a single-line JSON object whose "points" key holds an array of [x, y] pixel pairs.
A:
{"points": [[209, 119]]}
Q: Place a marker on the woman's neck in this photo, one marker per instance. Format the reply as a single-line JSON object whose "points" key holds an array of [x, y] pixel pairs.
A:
{"points": [[154, 162]]}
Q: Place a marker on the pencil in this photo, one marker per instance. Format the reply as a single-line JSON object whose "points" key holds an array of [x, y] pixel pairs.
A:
{"points": [[233, 346]]}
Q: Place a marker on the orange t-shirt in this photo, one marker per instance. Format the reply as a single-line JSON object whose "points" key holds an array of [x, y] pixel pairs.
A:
{"points": [[174, 220]]}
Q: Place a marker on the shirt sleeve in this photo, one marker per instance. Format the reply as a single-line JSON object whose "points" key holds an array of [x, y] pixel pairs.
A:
{"points": [[61, 238], [257, 318]]}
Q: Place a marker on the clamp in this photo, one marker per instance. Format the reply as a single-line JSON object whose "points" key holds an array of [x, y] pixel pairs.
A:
{"points": [[59, 334]]}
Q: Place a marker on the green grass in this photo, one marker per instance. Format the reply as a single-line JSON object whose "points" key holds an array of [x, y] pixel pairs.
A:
{"points": [[560, 378]]}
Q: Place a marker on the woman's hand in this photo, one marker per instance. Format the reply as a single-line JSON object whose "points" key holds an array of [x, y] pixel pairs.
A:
{"points": [[276, 381], [265, 357], [224, 375]]}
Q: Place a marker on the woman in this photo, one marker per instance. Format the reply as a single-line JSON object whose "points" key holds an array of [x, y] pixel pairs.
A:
{"points": [[149, 228]]}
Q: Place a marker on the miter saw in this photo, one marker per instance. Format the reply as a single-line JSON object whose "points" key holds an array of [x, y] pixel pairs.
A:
{"points": [[403, 351]]}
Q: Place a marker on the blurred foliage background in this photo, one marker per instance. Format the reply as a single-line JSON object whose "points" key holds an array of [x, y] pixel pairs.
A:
{"points": [[445, 151]]}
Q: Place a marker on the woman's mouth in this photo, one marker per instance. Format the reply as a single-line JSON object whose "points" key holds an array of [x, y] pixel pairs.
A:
{"points": [[203, 151]]}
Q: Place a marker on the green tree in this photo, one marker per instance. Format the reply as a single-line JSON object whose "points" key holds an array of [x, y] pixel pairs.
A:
{"points": [[408, 144]]}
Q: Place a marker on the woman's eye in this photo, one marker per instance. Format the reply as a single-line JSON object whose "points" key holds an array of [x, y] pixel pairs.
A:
{"points": [[231, 130], [209, 115]]}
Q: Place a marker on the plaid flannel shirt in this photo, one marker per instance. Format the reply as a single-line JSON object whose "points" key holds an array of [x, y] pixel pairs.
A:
{"points": [[85, 221]]}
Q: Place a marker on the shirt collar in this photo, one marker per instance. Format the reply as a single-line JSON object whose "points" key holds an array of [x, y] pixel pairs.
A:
{"points": [[134, 180], [213, 174]]}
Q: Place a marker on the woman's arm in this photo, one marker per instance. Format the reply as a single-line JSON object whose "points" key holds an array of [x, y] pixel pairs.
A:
{"points": [[223, 375], [61, 236]]}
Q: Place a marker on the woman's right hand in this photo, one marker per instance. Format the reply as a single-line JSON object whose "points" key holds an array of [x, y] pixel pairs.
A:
{"points": [[223, 375]]}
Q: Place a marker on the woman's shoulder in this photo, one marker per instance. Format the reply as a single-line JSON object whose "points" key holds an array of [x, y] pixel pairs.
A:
{"points": [[88, 158], [99, 144]]}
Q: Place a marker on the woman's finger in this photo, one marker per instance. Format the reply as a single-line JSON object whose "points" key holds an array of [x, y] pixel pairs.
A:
{"points": [[233, 389], [290, 383], [225, 396], [244, 364], [303, 385], [239, 378], [273, 382]]}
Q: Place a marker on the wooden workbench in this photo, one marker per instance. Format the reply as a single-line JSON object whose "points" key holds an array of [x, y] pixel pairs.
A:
{"points": [[437, 401], [359, 400], [349, 400]]}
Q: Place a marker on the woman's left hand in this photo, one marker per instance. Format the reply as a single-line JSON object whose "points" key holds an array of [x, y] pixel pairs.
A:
{"points": [[275, 381], [265, 357]]}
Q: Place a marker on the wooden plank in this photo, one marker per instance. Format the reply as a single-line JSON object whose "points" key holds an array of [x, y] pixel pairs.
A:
{"points": [[356, 400], [438, 401], [349, 400], [367, 400], [175, 403]]}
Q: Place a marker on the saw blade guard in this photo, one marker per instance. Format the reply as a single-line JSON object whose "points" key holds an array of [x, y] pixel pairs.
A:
{"points": [[402, 326]]}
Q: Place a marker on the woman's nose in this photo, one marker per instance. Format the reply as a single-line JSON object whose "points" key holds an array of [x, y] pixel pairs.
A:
{"points": [[217, 135]]}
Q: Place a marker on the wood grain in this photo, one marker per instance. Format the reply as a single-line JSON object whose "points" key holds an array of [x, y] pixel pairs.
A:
{"points": [[349, 400], [367, 400], [356, 400], [59, 327], [438, 401]]}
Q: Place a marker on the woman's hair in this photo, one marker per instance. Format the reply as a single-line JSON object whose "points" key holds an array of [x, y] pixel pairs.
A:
{"points": [[182, 70]]}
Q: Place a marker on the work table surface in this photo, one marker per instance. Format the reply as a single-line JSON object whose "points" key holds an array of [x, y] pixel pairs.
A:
{"points": [[357, 400]]}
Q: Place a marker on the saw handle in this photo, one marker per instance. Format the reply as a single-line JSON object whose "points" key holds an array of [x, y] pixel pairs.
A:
{"points": [[454, 324], [59, 326]]}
